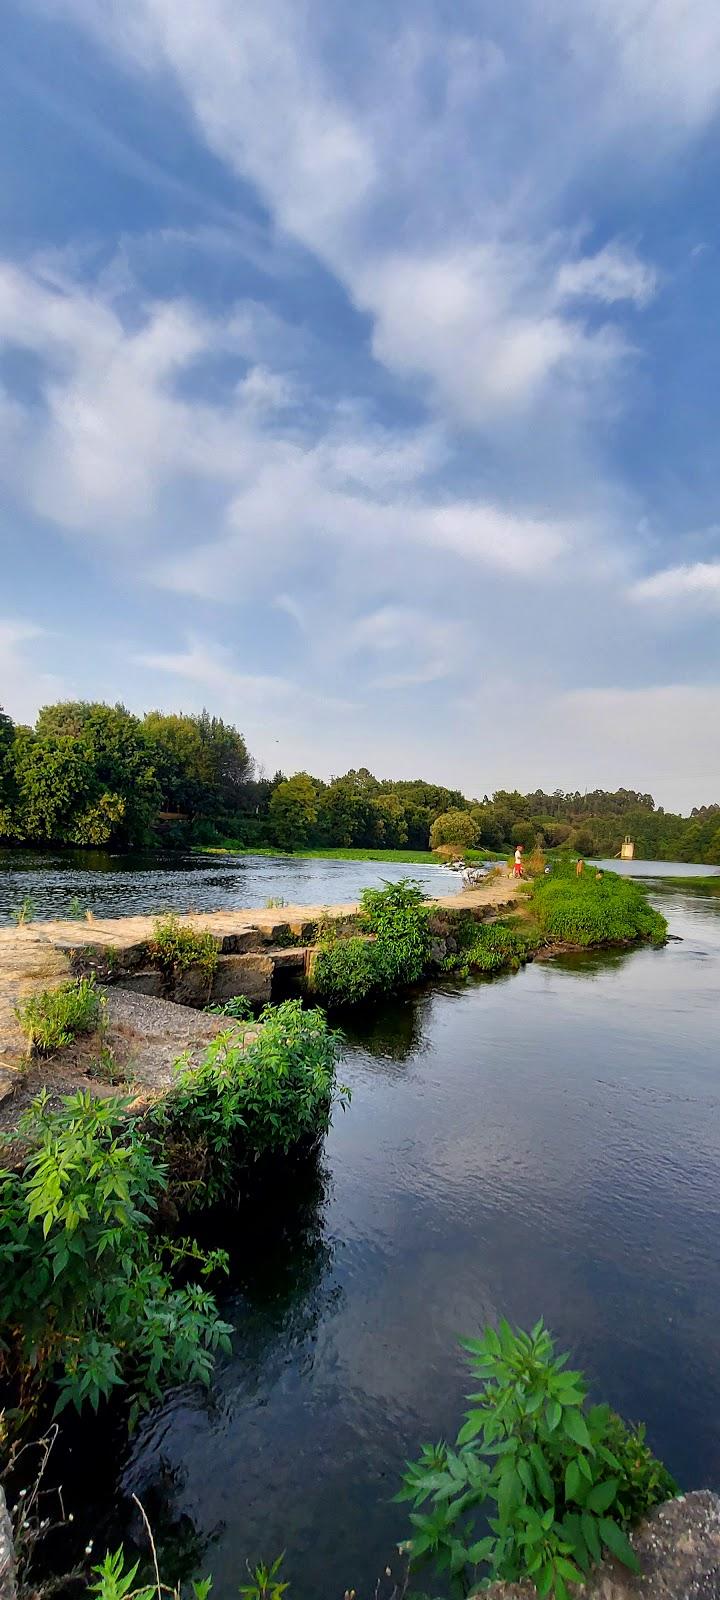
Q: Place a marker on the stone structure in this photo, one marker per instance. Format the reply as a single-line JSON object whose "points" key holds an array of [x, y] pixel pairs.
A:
{"points": [[678, 1548]]}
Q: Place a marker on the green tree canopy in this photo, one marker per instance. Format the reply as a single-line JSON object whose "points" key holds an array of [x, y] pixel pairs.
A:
{"points": [[454, 827], [293, 811]]}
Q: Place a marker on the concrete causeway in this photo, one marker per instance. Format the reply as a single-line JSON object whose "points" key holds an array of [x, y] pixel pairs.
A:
{"points": [[144, 1025]]}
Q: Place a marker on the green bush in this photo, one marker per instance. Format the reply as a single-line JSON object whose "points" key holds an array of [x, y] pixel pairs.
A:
{"points": [[245, 1101], [88, 1302], [346, 971], [497, 948], [590, 910], [238, 1007], [176, 946], [55, 1017], [564, 1481]]}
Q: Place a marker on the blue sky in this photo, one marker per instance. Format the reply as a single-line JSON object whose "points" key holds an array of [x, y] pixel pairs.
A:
{"points": [[359, 379]]}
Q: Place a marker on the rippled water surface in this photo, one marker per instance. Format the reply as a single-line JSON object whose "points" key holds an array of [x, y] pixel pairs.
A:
{"points": [[546, 1143], [126, 885]]}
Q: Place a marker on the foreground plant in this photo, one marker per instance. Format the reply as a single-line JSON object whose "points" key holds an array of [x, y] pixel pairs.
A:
{"points": [[89, 1302], [54, 1017], [246, 1100], [539, 1485]]}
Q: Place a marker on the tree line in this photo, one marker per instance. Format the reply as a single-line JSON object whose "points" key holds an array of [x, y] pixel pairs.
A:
{"points": [[94, 775]]}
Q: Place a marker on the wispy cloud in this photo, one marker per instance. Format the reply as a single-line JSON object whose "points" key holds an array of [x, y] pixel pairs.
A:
{"points": [[697, 582]]}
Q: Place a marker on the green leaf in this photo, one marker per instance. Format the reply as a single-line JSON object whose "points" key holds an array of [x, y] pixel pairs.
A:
{"points": [[481, 1551], [617, 1541], [591, 1535], [553, 1414], [601, 1496], [575, 1427], [472, 1427], [574, 1487]]}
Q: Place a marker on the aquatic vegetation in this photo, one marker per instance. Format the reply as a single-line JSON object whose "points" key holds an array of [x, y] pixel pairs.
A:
{"points": [[247, 1100], [566, 1481], [176, 946], [89, 1301], [593, 909], [54, 1017]]}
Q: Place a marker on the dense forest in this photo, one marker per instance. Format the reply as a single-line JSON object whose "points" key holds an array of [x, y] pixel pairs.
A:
{"points": [[95, 775]]}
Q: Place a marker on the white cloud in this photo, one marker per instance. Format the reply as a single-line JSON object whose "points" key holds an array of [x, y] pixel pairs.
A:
{"points": [[462, 284], [613, 274], [699, 581], [211, 670], [403, 647], [23, 684]]}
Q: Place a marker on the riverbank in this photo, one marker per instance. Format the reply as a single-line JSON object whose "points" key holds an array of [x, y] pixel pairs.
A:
{"points": [[255, 951], [231, 847]]}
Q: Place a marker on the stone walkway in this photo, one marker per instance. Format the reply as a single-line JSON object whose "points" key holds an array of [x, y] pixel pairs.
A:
{"points": [[42, 955]]}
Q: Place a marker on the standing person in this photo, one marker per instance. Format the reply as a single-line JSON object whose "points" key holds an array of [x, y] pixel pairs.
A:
{"points": [[579, 868], [517, 869]]}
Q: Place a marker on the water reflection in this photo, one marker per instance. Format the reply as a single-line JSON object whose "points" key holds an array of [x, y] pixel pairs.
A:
{"points": [[283, 1288]]}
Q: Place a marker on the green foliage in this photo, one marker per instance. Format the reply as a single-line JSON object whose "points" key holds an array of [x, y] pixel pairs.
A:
{"points": [[25, 911], [590, 910], [238, 1007], [265, 1583], [497, 948], [538, 1485], [293, 810], [346, 971], [176, 946], [88, 1303], [115, 1579], [249, 1099], [54, 1017], [454, 828]]}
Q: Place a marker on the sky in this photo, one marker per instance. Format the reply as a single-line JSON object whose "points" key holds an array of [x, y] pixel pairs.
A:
{"points": [[359, 380]]}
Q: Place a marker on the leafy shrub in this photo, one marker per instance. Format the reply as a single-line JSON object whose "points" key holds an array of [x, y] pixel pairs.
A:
{"points": [[54, 1017], [347, 971], [589, 910], [176, 946], [87, 1302], [238, 1007], [564, 1481], [497, 948], [244, 1101]]}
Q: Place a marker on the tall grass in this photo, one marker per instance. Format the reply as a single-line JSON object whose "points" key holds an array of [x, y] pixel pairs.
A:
{"points": [[594, 909]]}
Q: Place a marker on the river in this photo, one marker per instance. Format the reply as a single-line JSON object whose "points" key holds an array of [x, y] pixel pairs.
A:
{"points": [[545, 1143], [128, 885]]}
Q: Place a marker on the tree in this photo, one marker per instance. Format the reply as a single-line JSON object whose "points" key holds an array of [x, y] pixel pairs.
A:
{"points": [[454, 827], [293, 811], [7, 787], [391, 829], [117, 786]]}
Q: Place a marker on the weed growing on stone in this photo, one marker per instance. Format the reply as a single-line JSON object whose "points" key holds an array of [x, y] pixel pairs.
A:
{"points": [[54, 1017]]}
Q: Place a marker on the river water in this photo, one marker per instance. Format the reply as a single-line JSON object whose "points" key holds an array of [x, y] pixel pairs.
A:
{"points": [[545, 1143], [128, 885]]}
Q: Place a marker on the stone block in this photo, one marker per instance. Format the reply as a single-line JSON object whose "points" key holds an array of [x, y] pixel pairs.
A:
{"points": [[250, 975]]}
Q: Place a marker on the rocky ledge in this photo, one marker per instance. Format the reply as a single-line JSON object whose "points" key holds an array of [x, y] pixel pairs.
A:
{"points": [[678, 1548]]}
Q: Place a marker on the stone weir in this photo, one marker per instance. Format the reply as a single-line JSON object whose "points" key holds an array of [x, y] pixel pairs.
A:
{"points": [[152, 1016]]}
